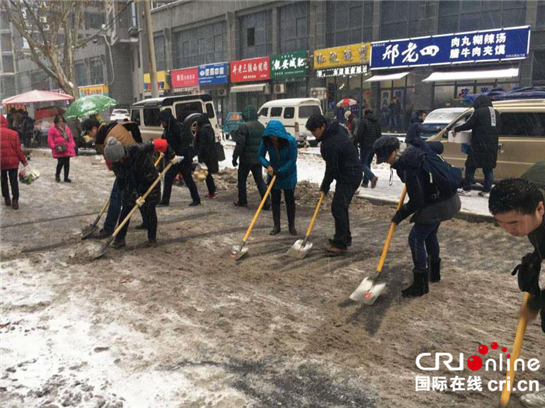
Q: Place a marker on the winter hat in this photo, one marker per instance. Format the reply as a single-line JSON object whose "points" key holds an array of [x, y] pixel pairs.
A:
{"points": [[384, 146], [347, 114], [114, 150]]}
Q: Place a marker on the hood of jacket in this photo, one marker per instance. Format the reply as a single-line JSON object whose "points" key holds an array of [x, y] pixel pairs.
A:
{"points": [[3, 121], [166, 116], [370, 116], [333, 127], [482, 101], [276, 128], [249, 113]]}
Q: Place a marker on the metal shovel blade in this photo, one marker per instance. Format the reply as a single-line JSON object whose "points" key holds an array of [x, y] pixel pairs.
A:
{"points": [[105, 248], [299, 250], [367, 292], [88, 231], [238, 252]]}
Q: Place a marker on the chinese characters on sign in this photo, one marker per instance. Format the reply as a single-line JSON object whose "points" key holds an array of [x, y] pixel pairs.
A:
{"points": [[212, 74], [489, 45], [162, 82], [254, 69], [342, 71], [289, 65], [441, 384], [341, 56], [185, 78], [93, 90]]}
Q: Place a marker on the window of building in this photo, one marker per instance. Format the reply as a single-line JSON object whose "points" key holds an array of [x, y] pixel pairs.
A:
{"points": [[201, 45], [540, 15], [160, 52], [151, 117], [261, 23], [276, 112], [250, 36], [95, 20], [538, 70], [348, 22], [294, 27], [399, 19], [97, 72], [81, 74], [134, 15]]}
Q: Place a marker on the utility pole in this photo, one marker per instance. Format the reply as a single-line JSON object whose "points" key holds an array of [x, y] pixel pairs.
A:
{"points": [[151, 49]]}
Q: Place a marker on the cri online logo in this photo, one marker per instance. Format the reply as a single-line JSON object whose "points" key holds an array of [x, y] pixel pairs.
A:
{"points": [[475, 362]]}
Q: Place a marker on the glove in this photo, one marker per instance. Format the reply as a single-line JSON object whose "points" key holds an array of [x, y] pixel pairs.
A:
{"points": [[169, 154], [324, 189], [397, 218], [528, 273], [235, 163], [140, 201], [160, 145]]}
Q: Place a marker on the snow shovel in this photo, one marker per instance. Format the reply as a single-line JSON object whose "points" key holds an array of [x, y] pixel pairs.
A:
{"points": [[239, 251], [139, 203], [302, 247], [90, 229], [517, 345], [369, 290]]}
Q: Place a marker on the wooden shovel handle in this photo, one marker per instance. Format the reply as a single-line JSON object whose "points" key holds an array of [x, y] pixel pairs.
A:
{"points": [[316, 211], [263, 200], [161, 155], [515, 353], [390, 233]]}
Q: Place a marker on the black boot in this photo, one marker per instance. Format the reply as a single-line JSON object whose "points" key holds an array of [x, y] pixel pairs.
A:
{"points": [[276, 219], [435, 270], [419, 286], [290, 207]]}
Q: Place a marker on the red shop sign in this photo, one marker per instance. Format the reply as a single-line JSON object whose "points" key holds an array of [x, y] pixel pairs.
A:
{"points": [[183, 78], [254, 69]]}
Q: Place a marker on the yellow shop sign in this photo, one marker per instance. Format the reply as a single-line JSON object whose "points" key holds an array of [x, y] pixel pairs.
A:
{"points": [[353, 54], [94, 90]]}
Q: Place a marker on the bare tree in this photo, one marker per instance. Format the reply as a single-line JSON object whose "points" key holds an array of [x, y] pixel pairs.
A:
{"points": [[51, 29]]}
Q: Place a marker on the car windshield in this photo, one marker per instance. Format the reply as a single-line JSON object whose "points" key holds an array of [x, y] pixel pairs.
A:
{"points": [[442, 116], [123, 111]]}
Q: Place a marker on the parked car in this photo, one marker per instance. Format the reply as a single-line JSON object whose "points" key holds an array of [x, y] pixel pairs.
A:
{"points": [[146, 113], [293, 113], [522, 137], [232, 122], [120, 115], [437, 119]]}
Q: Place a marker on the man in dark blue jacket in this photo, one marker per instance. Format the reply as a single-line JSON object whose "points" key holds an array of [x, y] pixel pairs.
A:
{"points": [[415, 129], [343, 165]]}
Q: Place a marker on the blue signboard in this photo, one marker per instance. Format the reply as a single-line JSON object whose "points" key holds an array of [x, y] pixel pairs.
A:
{"points": [[476, 46], [213, 74]]}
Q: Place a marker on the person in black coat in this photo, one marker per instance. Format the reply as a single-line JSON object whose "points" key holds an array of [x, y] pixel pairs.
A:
{"points": [[425, 202], [342, 165], [415, 129], [483, 150], [368, 132], [205, 142], [181, 141], [135, 172]]}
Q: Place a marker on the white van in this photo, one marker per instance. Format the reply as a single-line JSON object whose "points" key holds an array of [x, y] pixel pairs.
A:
{"points": [[293, 113], [146, 113]]}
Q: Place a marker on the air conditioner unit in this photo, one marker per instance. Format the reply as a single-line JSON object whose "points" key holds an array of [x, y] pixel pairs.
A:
{"points": [[279, 88], [222, 92]]}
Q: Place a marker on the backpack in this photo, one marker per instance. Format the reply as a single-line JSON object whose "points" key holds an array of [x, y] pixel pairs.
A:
{"points": [[446, 178]]}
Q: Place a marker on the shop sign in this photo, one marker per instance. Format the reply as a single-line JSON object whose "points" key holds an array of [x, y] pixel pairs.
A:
{"points": [[93, 90], [162, 82], [289, 65], [185, 78], [254, 69], [341, 71], [213, 74], [475, 46], [341, 56]]}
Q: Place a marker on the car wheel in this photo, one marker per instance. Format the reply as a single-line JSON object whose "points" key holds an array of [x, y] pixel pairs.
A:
{"points": [[190, 124]]}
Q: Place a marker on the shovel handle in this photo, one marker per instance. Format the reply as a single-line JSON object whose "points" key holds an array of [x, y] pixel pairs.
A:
{"points": [[390, 233], [315, 215], [161, 155], [102, 210], [515, 353], [263, 200]]}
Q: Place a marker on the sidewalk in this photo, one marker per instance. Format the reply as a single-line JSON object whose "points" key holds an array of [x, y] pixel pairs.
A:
{"points": [[311, 167]]}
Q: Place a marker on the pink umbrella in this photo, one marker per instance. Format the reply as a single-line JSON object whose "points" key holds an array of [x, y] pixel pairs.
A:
{"points": [[347, 102], [36, 96]]}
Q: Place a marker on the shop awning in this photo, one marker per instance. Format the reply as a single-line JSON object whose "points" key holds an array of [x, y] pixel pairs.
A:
{"points": [[472, 75], [389, 77], [248, 88]]}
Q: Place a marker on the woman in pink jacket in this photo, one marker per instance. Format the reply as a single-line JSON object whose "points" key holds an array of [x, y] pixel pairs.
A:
{"points": [[62, 146]]}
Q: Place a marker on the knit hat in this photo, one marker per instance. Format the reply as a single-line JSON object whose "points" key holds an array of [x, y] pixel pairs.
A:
{"points": [[114, 150], [384, 146]]}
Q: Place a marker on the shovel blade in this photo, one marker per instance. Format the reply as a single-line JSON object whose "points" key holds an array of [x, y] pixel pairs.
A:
{"points": [[298, 250], [238, 252], [367, 292], [105, 248], [88, 231]]}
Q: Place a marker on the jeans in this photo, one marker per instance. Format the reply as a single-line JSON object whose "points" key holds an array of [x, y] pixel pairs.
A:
{"points": [[424, 243], [395, 121], [210, 184], [366, 157], [339, 209], [243, 172], [185, 169], [63, 162], [470, 178], [149, 215], [12, 174], [289, 196], [114, 209]]}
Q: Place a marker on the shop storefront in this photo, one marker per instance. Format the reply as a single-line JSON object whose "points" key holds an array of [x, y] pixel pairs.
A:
{"points": [[213, 80], [289, 75], [100, 89], [344, 69], [163, 83], [185, 81], [452, 66], [250, 82]]}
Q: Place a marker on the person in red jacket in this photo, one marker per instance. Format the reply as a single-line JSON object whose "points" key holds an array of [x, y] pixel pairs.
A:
{"points": [[62, 145], [10, 156]]}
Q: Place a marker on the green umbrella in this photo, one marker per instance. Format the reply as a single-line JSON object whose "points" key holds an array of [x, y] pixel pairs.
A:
{"points": [[89, 105]]}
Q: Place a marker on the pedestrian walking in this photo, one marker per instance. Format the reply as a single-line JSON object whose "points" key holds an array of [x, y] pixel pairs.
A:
{"points": [[248, 139], [135, 172], [281, 148], [431, 200], [416, 129], [205, 142], [62, 145], [27, 129], [342, 165], [518, 207], [483, 150], [368, 132], [11, 155], [75, 127], [181, 142], [394, 113]]}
